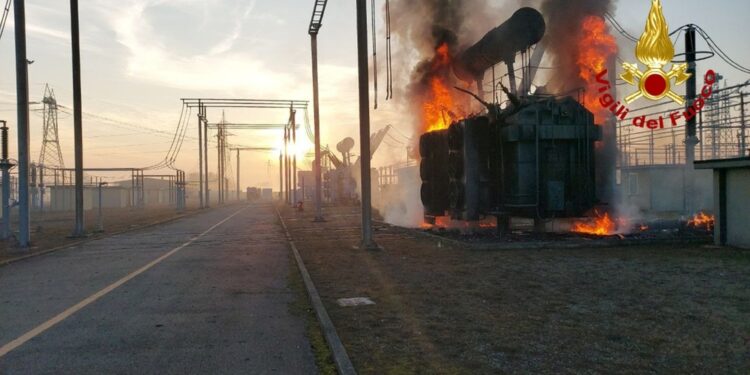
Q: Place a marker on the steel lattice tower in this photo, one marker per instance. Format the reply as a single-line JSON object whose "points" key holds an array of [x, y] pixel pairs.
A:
{"points": [[51, 155]]}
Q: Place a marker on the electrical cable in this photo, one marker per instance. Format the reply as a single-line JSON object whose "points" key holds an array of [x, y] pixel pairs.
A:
{"points": [[715, 48], [388, 56], [6, 11], [374, 53], [619, 27]]}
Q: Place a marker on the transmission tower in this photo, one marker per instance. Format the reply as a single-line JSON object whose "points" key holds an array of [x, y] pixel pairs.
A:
{"points": [[50, 156]]}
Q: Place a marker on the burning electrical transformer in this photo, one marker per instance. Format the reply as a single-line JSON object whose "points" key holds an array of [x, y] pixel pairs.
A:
{"points": [[533, 158]]}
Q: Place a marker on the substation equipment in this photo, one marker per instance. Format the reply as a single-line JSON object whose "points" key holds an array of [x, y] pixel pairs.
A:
{"points": [[534, 158]]}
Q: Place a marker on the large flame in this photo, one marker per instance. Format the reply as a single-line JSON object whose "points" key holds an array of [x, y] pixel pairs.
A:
{"points": [[602, 225], [703, 220], [655, 49], [596, 46], [439, 102]]}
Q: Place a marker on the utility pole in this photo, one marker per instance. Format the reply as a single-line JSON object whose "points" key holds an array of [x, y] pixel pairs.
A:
{"points": [[22, 99], [100, 225], [286, 164], [315, 25], [77, 119], [743, 126], [294, 157], [690, 139], [281, 177], [220, 161], [200, 153], [41, 188], [364, 126], [6, 166], [205, 160], [238, 175]]}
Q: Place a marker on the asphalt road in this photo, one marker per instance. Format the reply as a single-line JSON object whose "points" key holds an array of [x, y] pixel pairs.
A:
{"points": [[186, 297]]}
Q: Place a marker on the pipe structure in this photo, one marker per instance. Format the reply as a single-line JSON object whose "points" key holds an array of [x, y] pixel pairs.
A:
{"points": [[22, 99], [364, 126], [522, 30]]}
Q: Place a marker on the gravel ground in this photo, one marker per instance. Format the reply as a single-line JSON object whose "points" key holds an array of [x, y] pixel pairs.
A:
{"points": [[443, 308]]}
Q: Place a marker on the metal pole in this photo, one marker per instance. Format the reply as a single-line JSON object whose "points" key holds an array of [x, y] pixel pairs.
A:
{"points": [[238, 175], [690, 139], [743, 126], [77, 119], [41, 188], [200, 153], [6, 165], [100, 226], [205, 160], [219, 166], [286, 164], [316, 122], [364, 126], [22, 99], [281, 177], [294, 157], [700, 127]]}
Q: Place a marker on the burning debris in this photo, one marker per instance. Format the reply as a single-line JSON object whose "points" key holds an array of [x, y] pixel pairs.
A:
{"points": [[601, 225], [702, 221]]}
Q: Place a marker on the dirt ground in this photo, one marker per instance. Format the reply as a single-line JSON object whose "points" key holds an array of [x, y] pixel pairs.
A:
{"points": [[444, 308], [53, 229]]}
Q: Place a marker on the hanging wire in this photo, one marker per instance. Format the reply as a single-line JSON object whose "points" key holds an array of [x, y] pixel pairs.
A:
{"points": [[308, 130], [389, 60], [619, 28], [374, 53], [6, 10], [716, 49], [182, 138]]}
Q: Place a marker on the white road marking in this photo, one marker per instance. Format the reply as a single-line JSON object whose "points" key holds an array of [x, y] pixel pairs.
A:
{"points": [[5, 349]]}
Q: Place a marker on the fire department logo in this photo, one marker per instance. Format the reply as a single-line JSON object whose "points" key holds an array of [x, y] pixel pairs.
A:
{"points": [[655, 51]]}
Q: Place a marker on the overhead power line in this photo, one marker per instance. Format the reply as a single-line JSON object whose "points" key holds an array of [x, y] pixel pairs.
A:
{"points": [[6, 11], [619, 28], [716, 49]]}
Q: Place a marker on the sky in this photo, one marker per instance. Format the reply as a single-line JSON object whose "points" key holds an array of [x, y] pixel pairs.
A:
{"points": [[139, 57]]}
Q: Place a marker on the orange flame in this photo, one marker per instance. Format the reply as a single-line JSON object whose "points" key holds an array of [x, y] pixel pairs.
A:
{"points": [[436, 110], [595, 47], [703, 220], [603, 225], [440, 222]]}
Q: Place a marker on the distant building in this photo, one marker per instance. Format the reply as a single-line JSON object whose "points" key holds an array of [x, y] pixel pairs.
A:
{"points": [[731, 181], [661, 189]]}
